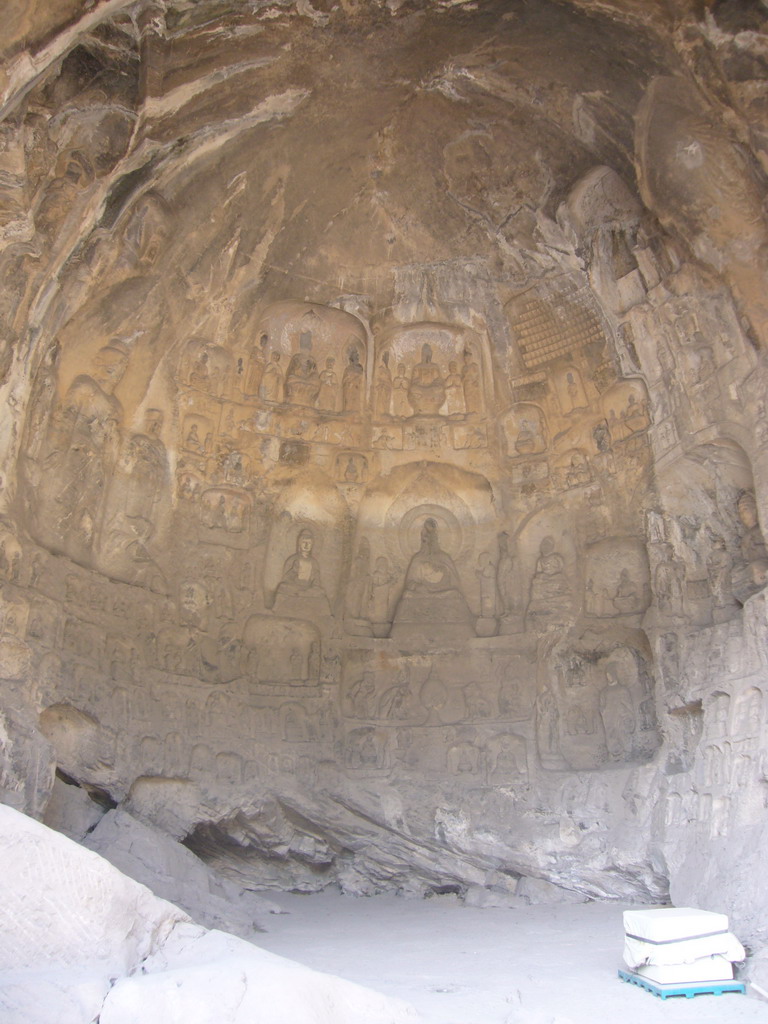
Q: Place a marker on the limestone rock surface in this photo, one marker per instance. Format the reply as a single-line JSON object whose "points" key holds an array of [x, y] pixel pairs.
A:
{"points": [[174, 873], [79, 941], [198, 977], [71, 924]]}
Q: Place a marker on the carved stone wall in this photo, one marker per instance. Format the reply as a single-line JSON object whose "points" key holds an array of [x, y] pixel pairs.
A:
{"points": [[384, 460]]}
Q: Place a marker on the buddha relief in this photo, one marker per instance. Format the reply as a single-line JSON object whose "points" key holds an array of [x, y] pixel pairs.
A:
{"points": [[550, 595], [302, 381], [432, 593], [426, 391], [301, 587]]}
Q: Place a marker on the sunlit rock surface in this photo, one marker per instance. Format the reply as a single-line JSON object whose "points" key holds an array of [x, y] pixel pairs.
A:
{"points": [[82, 942]]}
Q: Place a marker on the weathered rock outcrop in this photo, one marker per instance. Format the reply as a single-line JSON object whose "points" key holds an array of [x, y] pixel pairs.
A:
{"points": [[81, 942]]}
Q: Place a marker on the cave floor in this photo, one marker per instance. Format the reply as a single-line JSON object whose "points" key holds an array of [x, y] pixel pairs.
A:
{"points": [[465, 965]]}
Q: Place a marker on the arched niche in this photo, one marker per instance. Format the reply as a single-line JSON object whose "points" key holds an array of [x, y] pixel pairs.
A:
{"points": [[548, 568], [595, 707], [710, 533], [205, 366], [307, 545], [603, 217], [391, 518], [321, 352], [617, 577], [460, 383], [524, 430], [625, 407]]}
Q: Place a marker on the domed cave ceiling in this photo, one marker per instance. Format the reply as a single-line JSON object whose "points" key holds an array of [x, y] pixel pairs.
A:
{"points": [[384, 450]]}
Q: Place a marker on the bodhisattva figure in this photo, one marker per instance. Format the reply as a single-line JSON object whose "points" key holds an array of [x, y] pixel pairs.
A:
{"points": [[432, 596], [473, 391], [617, 711], [719, 573], [669, 582], [400, 403], [83, 446], [454, 390], [329, 382], [506, 587], [486, 574], [752, 574], [426, 392], [359, 581], [362, 695], [301, 581], [547, 724], [145, 468], [379, 596], [352, 383], [257, 362], [271, 389], [382, 387], [487, 624]]}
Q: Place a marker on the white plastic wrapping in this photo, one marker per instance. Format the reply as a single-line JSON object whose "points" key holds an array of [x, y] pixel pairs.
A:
{"points": [[708, 968], [677, 935]]}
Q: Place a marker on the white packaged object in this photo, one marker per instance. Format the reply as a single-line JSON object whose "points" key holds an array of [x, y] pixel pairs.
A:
{"points": [[677, 935], [708, 968], [669, 924]]}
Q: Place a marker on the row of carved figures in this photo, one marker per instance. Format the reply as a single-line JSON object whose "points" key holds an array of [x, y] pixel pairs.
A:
{"points": [[423, 389]]}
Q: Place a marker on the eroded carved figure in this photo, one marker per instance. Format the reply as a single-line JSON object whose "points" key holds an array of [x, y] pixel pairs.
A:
{"points": [[618, 714], [302, 380], [353, 382], [432, 592], [83, 445], [550, 596], [301, 581], [271, 387], [752, 573], [426, 391]]}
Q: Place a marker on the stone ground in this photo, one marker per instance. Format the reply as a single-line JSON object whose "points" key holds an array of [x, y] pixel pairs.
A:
{"points": [[464, 965]]}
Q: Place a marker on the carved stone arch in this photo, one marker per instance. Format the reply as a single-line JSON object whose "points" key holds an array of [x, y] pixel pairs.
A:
{"points": [[551, 520], [396, 504], [524, 430], [625, 407]]}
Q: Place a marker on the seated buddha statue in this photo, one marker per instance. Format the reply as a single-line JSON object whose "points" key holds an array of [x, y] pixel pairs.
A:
{"points": [[302, 381], [426, 391], [301, 587], [432, 604]]}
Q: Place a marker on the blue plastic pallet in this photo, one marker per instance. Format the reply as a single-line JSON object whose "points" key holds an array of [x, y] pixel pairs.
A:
{"points": [[689, 990]]}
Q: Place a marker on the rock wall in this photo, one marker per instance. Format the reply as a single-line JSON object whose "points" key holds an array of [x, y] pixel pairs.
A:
{"points": [[384, 455]]}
